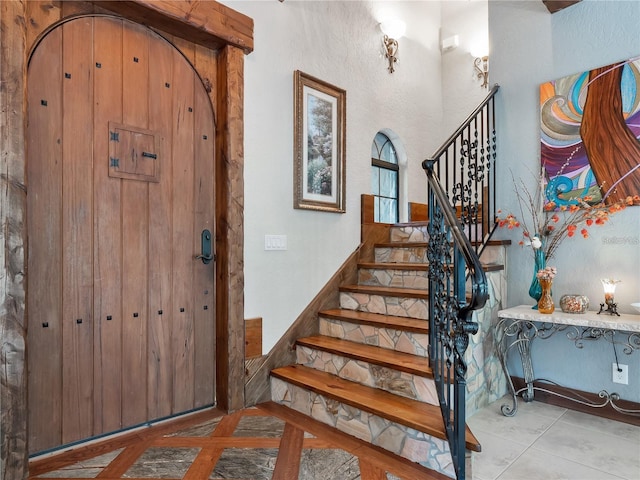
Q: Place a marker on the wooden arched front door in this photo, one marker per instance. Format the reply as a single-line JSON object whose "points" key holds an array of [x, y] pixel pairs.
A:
{"points": [[120, 178]]}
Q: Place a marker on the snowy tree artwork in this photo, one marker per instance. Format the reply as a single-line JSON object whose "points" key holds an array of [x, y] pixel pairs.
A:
{"points": [[319, 141]]}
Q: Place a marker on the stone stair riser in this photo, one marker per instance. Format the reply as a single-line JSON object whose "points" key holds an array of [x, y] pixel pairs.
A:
{"points": [[409, 234], [403, 384], [416, 446], [400, 254], [399, 340], [387, 305], [389, 277], [494, 254]]}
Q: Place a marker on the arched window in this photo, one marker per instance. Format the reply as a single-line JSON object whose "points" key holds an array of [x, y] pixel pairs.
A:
{"points": [[384, 179]]}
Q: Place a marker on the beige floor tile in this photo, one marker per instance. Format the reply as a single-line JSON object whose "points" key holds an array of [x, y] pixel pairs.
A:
{"points": [[540, 408], [525, 427], [538, 465], [497, 454], [604, 425], [612, 454]]}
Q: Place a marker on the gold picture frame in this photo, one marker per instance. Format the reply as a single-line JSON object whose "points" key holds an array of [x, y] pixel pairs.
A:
{"points": [[319, 171]]}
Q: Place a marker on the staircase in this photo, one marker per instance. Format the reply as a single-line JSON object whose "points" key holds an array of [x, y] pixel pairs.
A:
{"points": [[390, 365], [367, 373]]}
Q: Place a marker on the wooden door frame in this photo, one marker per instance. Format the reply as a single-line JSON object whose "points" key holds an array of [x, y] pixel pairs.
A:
{"points": [[209, 24]]}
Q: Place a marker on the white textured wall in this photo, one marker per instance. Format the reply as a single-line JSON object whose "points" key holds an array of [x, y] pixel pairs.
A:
{"points": [[529, 46], [461, 91], [338, 42]]}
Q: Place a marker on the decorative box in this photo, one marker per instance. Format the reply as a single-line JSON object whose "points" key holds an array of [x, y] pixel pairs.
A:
{"points": [[574, 303]]}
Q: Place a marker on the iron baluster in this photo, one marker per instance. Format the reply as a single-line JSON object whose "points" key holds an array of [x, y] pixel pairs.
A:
{"points": [[465, 167]]}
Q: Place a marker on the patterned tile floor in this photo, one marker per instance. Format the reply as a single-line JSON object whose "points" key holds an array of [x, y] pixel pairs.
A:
{"points": [[269, 442], [541, 442]]}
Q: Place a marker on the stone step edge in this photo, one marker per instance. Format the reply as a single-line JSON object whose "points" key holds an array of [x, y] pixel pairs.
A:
{"points": [[414, 414], [380, 320], [383, 357]]}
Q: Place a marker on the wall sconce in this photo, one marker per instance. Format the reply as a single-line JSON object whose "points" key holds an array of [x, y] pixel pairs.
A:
{"points": [[609, 285], [393, 30], [480, 52], [481, 65]]}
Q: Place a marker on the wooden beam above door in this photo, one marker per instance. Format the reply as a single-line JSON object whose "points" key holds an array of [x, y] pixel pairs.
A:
{"points": [[556, 5], [210, 24]]}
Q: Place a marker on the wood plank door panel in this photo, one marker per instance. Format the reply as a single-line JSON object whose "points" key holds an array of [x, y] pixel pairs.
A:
{"points": [[77, 231], [44, 259], [107, 268], [203, 289], [121, 178], [161, 310], [183, 231], [134, 206]]}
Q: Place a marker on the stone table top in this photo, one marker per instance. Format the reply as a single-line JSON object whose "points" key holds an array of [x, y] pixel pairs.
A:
{"points": [[625, 322]]}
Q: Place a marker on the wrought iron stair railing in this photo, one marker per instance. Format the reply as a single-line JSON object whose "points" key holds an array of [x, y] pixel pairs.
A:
{"points": [[465, 165], [457, 282]]}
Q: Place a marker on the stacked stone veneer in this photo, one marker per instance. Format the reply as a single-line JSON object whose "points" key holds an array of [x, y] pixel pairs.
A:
{"points": [[386, 305], [400, 340], [404, 384], [486, 381], [414, 445], [393, 277], [409, 233]]}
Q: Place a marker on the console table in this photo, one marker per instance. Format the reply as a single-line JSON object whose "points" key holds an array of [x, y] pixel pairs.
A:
{"points": [[517, 327]]}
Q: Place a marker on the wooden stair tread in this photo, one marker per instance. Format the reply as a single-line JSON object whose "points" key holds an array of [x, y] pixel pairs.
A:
{"points": [[419, 223], [408, 324], [492, 267], [401, 245], [394, 266], [422, 267], [492, 243], [405, 411], [389, 291], [384, 357]]}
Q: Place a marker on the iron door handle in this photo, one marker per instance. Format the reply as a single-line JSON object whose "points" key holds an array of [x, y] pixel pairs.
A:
{"points": [[205, 247]]}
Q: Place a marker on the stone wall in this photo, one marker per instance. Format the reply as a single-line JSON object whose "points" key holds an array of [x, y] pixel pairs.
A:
{"points": [[486, 381]]}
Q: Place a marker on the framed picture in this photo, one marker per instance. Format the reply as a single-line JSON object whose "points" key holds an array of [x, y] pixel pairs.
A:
{"points": [[590, 134], [319, 145]]}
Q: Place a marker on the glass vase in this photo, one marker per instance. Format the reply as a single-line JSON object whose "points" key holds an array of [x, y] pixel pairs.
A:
{"points": [[535, 290], [545, 304]]}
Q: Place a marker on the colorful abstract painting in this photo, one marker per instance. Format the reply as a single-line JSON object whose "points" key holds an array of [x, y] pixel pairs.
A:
{"points": [[590, 134]]}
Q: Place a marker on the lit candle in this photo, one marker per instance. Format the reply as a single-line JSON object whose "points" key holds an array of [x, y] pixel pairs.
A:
{"points": [[609, 285]]}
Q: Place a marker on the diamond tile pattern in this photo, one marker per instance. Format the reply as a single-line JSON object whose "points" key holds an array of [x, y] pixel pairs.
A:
{"points": [[540, 442]]}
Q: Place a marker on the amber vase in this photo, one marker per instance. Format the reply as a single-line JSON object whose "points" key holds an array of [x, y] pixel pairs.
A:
{"points": [[545, 304]]}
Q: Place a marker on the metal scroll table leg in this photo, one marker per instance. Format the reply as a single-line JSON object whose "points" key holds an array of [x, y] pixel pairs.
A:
{"points": [[503, 331], [524, 346]]}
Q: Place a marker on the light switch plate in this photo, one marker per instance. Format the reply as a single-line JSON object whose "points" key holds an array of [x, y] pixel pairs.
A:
{"points": [[275, 242]]}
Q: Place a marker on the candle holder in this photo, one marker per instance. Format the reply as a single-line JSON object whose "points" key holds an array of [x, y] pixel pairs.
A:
{"points": [[609, 285]]}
